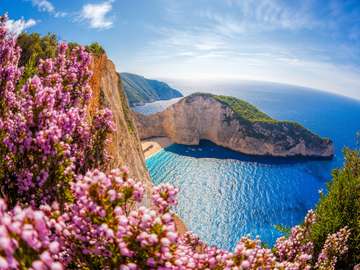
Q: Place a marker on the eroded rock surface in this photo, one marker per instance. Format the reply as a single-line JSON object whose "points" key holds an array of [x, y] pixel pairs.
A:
{"points": [[204, 116], [125, 147]]}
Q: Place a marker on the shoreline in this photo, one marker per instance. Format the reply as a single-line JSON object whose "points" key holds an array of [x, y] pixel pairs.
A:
{"points": [[152, 146]]}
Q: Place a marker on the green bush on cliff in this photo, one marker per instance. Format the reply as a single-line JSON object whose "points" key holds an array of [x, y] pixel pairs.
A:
{"points": [[340, 207], [244, 109], [95, 48], [247, 114], [35, 47]]}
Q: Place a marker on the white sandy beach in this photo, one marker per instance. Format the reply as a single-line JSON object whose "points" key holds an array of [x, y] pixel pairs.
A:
{"points": [[154, 145]]}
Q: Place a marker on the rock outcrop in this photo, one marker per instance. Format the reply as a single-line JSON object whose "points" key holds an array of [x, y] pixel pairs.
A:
{"points": [[234, 124], [107, 90]]}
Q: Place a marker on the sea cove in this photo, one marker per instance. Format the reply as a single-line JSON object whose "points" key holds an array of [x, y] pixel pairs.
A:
{"points": [[245, 195]]}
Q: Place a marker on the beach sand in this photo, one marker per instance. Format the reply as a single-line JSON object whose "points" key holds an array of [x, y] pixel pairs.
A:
{"points": [[154, 145]]}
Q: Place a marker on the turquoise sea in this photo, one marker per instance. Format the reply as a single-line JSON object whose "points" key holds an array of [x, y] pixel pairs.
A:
{"points": [[225, 195]]}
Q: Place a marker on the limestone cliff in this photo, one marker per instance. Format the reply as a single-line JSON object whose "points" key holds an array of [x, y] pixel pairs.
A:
{"points": [[125, 147], [107, 90], [234, 124]]}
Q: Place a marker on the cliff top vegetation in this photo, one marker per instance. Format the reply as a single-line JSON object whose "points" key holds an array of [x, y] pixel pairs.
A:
{"points": [[241, 108], [244, 109], [35, 47], [249, 114]]}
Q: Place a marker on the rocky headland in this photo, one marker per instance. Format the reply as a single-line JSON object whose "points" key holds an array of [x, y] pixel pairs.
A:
{"points": [[140, 90], [234, 124]]}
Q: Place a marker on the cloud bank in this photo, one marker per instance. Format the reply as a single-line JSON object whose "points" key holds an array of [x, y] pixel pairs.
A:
{"points": [[97, 15], [17, 26], [47, 6], [307, 43]]}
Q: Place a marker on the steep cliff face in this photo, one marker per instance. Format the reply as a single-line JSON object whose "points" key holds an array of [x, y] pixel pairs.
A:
{"points": [[205, 116], [125, 147]]}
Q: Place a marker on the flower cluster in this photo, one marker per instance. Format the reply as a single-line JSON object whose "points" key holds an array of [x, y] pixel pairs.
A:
{"points": [[105, 230], [25, 240], [46, 135], [297, 249], [102, 125], [334, 246], [164, 196]]}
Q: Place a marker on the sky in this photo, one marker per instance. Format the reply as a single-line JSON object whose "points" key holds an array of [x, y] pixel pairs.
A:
{"points": [[311, 43]]}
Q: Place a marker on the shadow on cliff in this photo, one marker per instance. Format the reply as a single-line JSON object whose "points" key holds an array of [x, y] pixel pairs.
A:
{"points": [[207, 149]]}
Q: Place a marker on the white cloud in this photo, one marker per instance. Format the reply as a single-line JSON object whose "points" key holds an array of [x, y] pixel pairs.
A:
{"points": [[245, 41], [16, 27], [261, 16], [97, 15], [60, 14], [47, 6], [222, 33], [198, 53], [235, 65], [194, 42], [43, 5]]}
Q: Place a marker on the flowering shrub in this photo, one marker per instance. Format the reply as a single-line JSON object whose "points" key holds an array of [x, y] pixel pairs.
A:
{"points": [[47, 137], [297, 249], [78, 217], [107, 232], [339, 207], [101, 230], [334, 246]]}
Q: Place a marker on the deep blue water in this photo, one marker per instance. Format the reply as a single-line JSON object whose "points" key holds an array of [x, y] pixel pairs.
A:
{"points": [[225, 195]]}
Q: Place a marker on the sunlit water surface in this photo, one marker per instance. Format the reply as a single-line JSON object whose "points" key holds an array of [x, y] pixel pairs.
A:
{"points": [[225, 195]]}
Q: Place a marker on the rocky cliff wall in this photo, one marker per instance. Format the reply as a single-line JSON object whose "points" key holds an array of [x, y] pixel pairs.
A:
{"points": [[202, 116], [125, 147]]}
